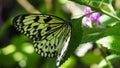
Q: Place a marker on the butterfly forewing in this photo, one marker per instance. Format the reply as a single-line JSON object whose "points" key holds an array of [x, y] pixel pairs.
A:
{"points": [[48, 32]]}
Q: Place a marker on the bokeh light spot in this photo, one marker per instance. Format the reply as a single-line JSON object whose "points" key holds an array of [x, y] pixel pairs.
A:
{"points": [[9, 49], [28, 48]]}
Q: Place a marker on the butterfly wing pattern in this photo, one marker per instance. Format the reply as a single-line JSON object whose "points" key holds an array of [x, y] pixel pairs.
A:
{"points": [[49, 33]]}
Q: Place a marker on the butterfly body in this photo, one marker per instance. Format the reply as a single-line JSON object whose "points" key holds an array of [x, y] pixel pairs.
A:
{"points": [[49, 33]]}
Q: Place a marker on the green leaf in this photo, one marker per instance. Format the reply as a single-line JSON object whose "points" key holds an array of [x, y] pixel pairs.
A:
{"points": [[51, 62], [92, 34], [113, 30], [111, 39], [70, 63], [112, 58], [91, 58]]}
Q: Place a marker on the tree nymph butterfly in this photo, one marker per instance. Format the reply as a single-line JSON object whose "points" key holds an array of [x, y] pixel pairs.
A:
{"points": [[50, 34]]}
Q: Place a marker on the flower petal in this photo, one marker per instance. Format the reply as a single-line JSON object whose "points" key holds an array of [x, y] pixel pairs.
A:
{"points": [[95, 18], [87, 10], [86, 22]]}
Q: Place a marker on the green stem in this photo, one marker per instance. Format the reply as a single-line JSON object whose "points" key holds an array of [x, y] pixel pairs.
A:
{"points": [[101, 3], [98, 9], [111, 15], [104, 55]]}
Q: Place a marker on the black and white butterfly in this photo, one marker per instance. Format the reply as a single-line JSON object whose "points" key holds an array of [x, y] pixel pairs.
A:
{"points": [[50, 34]]}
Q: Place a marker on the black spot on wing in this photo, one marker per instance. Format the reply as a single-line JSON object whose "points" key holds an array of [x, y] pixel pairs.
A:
{"points": [[49, 44], [34, 31], [48, 52], [51, 47], [35, 27], [29, 26], [23, 17], [52, 34], [54, 46], [43, 53], [41, 50], [46, 38], [46, 47], [48, 28], [37, 37], [22, 24], [47, 19], [36, 19], [33, 36], [15, 20], [39, 30], [41, 44], [27, 32], [19, 19], [51, 54], [54, 53]]}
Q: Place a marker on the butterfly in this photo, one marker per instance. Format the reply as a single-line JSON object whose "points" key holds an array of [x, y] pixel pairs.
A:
{"points": [[50, 34]]}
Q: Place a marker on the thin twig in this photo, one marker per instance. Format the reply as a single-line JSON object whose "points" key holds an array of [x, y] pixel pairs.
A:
{"points": [[27, 6], [104, 55]]}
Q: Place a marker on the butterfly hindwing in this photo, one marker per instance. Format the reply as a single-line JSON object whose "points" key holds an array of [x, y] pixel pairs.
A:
{"points": [[47, 32]]}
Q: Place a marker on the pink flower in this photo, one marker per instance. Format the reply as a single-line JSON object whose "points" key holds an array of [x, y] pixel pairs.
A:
{"points": [[91, 18]]}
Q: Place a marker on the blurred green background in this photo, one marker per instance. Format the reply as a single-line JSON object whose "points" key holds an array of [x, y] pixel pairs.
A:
{"points": [[16, 50]]}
